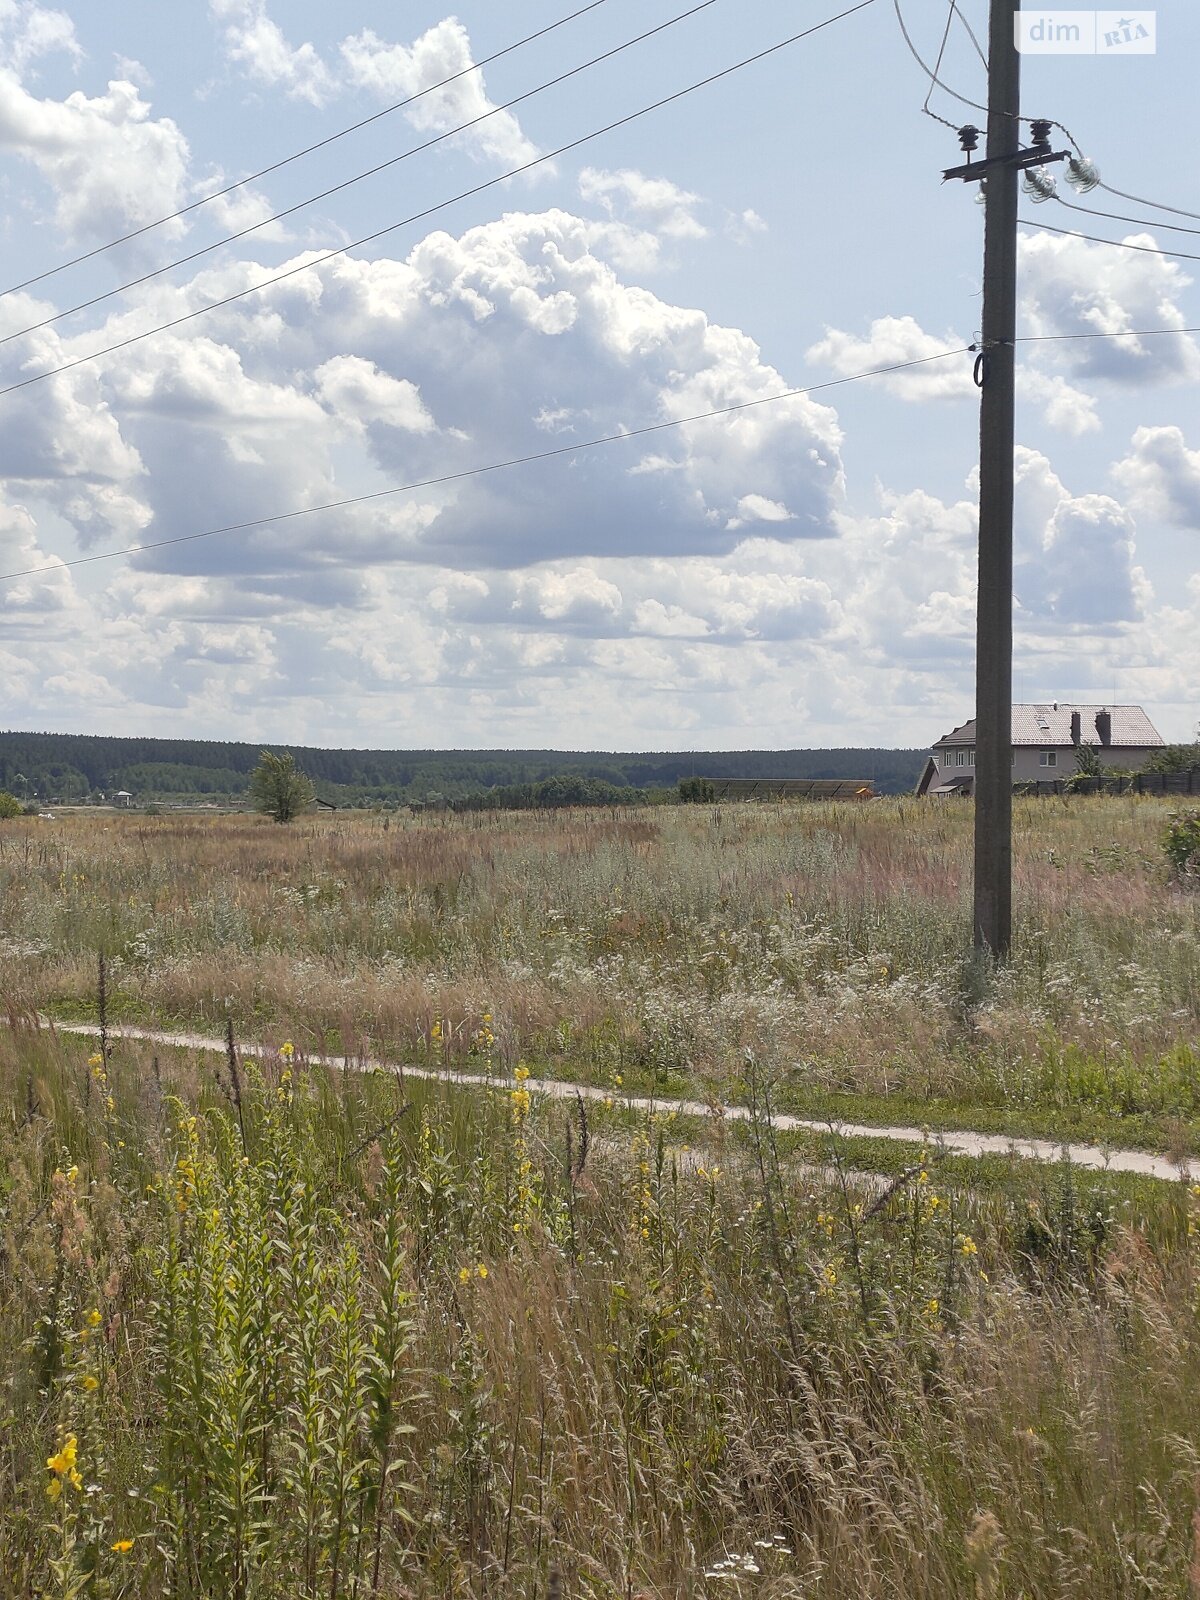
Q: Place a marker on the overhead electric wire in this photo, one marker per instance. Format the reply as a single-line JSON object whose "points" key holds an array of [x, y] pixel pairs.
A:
{"points": [[308, 150], [489, 467], [962, 17], [975, 105], [1092, 238], [346, 183], [934, 80], [1122, 333], [427, 211], [1155, 205], [1118, 216], [937, 65]]}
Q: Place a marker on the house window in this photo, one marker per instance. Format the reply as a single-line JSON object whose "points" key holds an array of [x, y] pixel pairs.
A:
{"points": [[960, 757], [1047, 758], [970, 758]]}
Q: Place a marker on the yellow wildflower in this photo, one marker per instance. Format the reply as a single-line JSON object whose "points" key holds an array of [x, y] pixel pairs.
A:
{"points": [[968, 1246], [464, 1274], [64, 1461], [287, 1049], [94, 1319], [90, 1382], [521, 1072], [96, 1060], [481, 1270], [54, 1488], [122, 1546]]}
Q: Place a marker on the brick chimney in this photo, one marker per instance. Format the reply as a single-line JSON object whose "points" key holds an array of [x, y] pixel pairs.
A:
{"points": [[1104, 727], [1076, 728]]}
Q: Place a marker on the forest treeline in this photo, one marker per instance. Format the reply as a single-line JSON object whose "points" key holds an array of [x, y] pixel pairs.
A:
{"points": [[65, 767]]}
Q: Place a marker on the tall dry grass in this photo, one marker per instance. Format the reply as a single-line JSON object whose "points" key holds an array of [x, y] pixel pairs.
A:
{"points": [[656, 948], [278, 1332]]}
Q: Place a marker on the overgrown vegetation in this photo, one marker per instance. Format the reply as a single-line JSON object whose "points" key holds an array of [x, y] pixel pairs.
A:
{"points": [[1176, 757], [1181, 841], [295, 1332], [652, 948]]}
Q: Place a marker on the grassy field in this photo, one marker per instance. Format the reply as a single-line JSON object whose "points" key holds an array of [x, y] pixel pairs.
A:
{"points": [[274, 1330], [653, 951]]}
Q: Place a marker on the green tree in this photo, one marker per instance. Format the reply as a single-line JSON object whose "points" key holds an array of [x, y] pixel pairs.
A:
{"points": [[1087, 761], [10, 806], [277, 789], [697, 791], [1175, 757]]}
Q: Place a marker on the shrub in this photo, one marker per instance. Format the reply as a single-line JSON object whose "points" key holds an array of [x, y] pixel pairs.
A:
{"points": [[1181, 841], [10, 806]]}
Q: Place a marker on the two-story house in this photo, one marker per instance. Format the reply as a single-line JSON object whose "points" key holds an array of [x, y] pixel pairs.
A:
{"points": [[1044, 741]]}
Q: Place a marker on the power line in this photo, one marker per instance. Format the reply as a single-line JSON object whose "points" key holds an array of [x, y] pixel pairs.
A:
{"points": [[934, 80], [417, 216], [1118, 216], [346, 183], [1122, 333], [308, 150], [937, 65], [975, 105], [492, 466], [1155, 205], [1092, 238], [962, 17]]}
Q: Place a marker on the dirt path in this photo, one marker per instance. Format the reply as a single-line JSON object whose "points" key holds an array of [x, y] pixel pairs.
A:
{"points": [[953, 1143]]}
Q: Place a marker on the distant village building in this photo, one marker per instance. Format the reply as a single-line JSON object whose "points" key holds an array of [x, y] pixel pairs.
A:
{"points": [[1044, 741], [122, 798]]}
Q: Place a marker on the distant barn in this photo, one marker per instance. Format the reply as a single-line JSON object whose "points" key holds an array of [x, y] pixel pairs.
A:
{"points": [[791, 788]]}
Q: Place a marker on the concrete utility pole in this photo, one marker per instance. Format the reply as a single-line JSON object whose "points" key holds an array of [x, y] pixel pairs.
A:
{"points": [[993, 661], [995, 372]]}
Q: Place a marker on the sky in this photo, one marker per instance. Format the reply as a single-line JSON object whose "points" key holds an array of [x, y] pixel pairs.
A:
{"points": [[797, 573]]}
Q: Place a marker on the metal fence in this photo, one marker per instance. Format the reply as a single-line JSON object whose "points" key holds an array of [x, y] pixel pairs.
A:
{"points": [[1118, 783]]}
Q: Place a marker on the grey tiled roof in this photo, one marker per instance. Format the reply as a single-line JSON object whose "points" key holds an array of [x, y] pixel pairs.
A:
{"points": [[1049, 725]]}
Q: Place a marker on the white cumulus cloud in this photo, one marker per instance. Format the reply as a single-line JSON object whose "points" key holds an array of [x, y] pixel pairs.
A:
{"points": [[1161, 476], [655, 203], [397, 71], [1069, 286], [259, 45], [890, 342]]}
